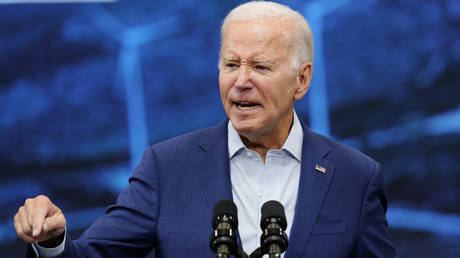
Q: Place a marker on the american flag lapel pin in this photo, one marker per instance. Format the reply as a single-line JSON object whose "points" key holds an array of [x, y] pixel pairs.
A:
{"points": [[320, 168]]}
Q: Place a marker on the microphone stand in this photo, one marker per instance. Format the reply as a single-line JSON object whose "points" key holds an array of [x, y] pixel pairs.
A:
{"points": [[241, 254], [274, 251], [257, 253], [223, 251]]}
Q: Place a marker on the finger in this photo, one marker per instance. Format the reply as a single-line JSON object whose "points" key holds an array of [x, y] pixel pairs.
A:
{"points": [[28, 209], [20, 232], [37, 224], [23, 220], [40, 211]]}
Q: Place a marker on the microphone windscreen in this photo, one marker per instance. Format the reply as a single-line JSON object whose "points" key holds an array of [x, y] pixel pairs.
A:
{"points": [[225, 207], [273, 209]]}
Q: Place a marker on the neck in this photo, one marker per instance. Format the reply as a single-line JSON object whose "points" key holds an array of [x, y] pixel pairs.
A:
{"points": [[273, 140]]}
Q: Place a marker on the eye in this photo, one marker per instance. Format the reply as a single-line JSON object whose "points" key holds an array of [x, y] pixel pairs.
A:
{"points": [[231, 66], [261, 68]]}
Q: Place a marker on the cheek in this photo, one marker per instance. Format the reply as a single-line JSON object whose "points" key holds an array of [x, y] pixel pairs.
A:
{"points": [[224, 97], [221, 86], [225, 84], [281, 96]]}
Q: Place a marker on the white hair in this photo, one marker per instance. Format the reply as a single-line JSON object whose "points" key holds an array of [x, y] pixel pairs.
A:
{"points": [[299, 36]]}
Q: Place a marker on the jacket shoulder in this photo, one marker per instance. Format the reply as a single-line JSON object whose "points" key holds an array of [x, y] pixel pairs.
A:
{"points": [[190, 141], [347, 157]]}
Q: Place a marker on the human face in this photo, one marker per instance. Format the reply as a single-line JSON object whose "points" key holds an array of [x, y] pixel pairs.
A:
{"points": [[258, 84]]}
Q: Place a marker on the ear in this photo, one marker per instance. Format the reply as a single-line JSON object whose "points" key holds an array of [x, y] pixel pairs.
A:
{"points": [[304, 78]]}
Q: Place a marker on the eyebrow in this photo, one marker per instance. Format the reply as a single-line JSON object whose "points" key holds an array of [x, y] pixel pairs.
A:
{"points": [[252, 62], [261, 62], [230, 59]]}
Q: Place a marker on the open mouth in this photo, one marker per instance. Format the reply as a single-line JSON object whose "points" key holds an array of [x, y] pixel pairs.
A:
{"points": [[246, 106]]}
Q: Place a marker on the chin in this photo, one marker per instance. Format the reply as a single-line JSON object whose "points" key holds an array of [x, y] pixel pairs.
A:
{"points": [[245, 127]]}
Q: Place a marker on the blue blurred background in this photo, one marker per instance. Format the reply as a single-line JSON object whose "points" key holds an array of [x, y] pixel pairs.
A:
{"points": [[84, 88]]}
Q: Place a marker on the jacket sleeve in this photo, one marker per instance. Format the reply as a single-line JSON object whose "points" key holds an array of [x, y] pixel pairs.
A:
{"points": [[374, 238], [128, 228]]}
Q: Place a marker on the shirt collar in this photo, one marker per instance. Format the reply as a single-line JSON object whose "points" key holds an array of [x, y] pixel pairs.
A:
{"points": [[234, 141], [293, 143]]}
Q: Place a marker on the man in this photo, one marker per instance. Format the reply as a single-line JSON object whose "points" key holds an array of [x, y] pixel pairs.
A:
{"points": [[333, 195]]}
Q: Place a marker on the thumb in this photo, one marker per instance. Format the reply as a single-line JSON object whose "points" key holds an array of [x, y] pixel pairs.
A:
{"points": [[55, 224]]}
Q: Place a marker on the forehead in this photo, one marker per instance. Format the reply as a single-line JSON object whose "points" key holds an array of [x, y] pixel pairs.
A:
{"points": [[256, 38]]}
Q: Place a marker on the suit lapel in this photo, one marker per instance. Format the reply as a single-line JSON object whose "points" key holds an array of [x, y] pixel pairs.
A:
{"points": [[316, 176], [212, 165]]}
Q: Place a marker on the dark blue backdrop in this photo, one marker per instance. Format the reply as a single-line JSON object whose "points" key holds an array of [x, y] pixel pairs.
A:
{"points": [[85, 87]]}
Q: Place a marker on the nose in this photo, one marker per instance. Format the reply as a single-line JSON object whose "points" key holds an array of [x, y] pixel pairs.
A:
{"points": [[244, 81]]}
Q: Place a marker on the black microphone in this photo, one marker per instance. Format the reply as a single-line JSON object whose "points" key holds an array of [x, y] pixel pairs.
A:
{"points": [[274, 240], [224, 222]]}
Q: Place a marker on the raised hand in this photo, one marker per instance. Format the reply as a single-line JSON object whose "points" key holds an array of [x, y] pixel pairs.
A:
{"points": [[39, 220]]}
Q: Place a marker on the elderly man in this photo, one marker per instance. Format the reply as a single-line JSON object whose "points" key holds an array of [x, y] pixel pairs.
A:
{"points": [[333, 196]]}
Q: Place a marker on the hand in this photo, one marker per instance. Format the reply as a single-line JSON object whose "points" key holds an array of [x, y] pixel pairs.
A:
{"points": [[39, 220]]}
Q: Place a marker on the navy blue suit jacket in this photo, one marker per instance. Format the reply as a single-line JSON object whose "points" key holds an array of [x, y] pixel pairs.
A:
{"points": [[169, 201]]}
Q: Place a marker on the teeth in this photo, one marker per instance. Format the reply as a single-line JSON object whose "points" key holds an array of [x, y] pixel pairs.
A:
{"points": [[245, 106]]}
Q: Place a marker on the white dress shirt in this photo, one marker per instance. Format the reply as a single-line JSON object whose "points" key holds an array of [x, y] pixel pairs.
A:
{"points": [[254, 183]]}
